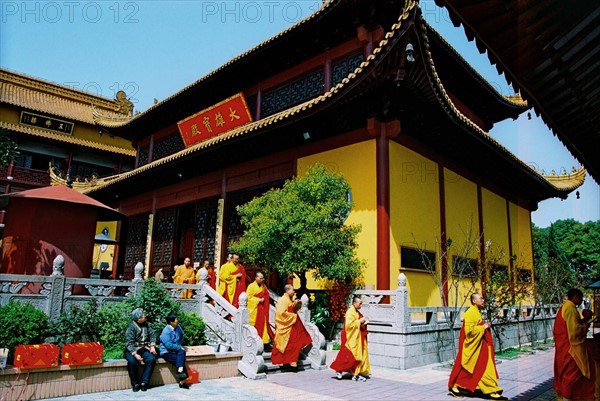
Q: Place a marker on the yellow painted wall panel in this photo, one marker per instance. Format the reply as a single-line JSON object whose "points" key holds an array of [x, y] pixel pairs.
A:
{"points": [[357, 163], [495, 227], [462, 229], [414, 218]]}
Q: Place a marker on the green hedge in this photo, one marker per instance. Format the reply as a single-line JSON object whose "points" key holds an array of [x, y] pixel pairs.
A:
{"points": [[25, 324]]}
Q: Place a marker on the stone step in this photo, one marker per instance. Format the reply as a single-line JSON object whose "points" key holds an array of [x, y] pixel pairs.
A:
{"points": [[272, 368]]}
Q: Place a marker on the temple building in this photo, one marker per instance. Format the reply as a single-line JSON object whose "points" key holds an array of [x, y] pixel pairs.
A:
{"points": [[59, 143], [366, 88]]}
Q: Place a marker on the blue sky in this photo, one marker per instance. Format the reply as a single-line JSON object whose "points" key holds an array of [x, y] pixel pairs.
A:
{"points": [[152, 49]]}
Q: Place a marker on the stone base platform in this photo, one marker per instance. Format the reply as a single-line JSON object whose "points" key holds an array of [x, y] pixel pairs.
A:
{"points": [[66, 380]]}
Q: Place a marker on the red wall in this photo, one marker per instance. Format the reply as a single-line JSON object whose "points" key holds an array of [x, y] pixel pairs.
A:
{"points": [[37, 230]]}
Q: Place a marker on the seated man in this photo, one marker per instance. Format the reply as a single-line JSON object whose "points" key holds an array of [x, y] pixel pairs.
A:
{"points": [[139, 346], [171, 348], [290, 335]]}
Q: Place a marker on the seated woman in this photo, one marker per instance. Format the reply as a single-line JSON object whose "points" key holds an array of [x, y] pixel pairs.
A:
{"points": [[171, 349]]}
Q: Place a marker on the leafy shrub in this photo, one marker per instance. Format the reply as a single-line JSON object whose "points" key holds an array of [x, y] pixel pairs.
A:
{"points": [[79, 324], [193, 326], [113, 321], [21, 324], [156, 303]]}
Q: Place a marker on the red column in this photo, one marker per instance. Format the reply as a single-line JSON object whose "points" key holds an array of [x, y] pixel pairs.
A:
{"points": [[382, 132]]}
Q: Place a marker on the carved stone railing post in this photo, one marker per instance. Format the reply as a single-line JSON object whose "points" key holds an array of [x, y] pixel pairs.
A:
{"points": [[57, 294], [200, 293], [138, 278], [401, 314], [248, 342], [315, 353]]}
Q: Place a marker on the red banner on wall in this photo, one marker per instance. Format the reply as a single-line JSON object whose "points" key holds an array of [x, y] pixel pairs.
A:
{"points": [[215, 120]]}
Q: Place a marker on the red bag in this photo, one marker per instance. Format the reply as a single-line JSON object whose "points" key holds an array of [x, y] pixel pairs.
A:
{"points": [[193, 376], [82, 354], [36, 356]]}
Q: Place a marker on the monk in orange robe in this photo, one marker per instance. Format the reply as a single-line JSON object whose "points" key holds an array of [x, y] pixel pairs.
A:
{"points": [[258, 305], [354, 352], [574, 374], [474, 372], [185, 275], [290, 335], [228, 278]]}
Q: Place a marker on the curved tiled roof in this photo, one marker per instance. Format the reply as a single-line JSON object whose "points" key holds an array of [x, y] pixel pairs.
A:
{"points": [[46, 97], [514, 100], [275, 118], [333, 94], [454, 113], [66, 138], [567, 181], [113, 123], [550, 50]]}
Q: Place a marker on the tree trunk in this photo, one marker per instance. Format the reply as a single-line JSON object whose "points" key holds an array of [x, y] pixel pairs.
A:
{"points": [[303, 280]]}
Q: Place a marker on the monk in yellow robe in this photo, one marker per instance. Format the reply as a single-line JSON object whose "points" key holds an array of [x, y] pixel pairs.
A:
{"points": [[228, 278], [185, 274], [574, 373], [354, 352], [290, 335], [258, 305], [474, 373]]}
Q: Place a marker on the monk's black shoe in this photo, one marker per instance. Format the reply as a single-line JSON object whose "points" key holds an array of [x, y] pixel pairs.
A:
{"points": [[136, 388], [455, 393]]}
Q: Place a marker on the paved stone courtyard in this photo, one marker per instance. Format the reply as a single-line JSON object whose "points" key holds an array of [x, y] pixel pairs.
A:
{"points": [[525, 378]]}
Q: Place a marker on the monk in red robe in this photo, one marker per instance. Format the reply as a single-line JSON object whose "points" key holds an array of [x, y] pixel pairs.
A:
{"points": [[574, 373], [258, 305], [290, 335], [474, 372], [354, 352]]}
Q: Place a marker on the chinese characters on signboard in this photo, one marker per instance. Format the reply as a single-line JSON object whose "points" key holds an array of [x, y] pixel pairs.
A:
{"points": [[215, 120], [45, 122]]}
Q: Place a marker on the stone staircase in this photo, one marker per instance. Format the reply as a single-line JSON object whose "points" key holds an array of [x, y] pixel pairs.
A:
{"points": [[270, 368]]}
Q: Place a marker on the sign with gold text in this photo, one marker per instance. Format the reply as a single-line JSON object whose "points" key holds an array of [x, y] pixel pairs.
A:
{"points": [[49, 123], [215, 120]]}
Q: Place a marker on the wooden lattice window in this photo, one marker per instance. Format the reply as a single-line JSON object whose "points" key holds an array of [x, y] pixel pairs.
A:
{"points": [[163, 235], [344, 66], [135, 250]]}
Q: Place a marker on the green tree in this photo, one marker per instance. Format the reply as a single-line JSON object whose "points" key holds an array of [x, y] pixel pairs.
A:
{"points": [[300, 228], [8, 149]]}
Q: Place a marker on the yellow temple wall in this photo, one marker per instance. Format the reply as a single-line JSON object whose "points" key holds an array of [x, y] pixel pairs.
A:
{"points": [[414, 219], [462, 228], [357, 163], [522, 247], [495, 227]]}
